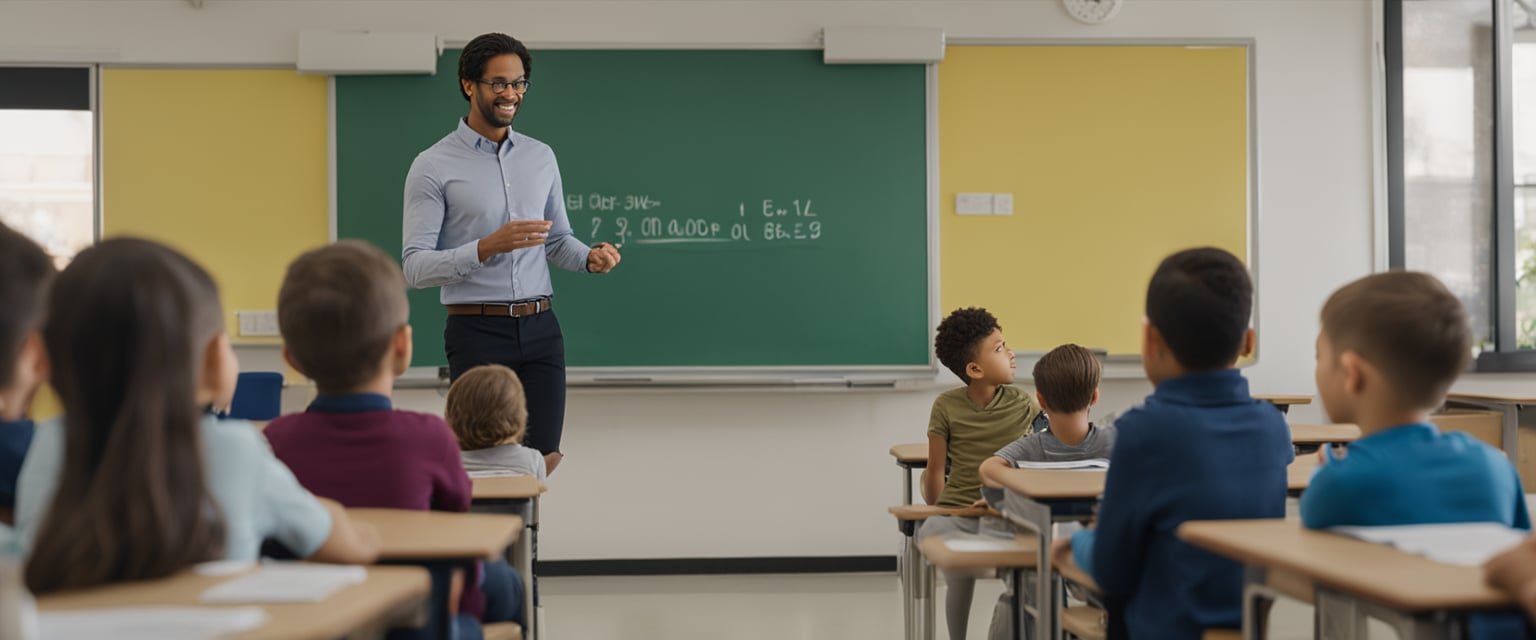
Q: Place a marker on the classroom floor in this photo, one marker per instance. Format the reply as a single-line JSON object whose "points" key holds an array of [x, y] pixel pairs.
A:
{"points": [[775, 607]]}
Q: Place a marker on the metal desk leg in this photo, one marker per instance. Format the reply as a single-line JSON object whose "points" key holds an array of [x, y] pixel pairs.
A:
{"points": [[1017, 615], [1338, 616], [1510, 433], [908, 610], [526, 553], [1256, 595], [906, 483], [922, 586], [1036, 517]]}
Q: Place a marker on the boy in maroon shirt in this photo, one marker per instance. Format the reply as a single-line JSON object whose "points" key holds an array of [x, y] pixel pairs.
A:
{"points": [[343, 313]]}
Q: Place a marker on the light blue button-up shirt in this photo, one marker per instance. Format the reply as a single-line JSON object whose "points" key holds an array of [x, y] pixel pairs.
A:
{"points": [[465, 187]]}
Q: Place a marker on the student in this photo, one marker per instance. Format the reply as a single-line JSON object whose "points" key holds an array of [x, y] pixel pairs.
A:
{"points": [[1391, 345], [489, 414], [25, 272], [968, 424], [1199, 448], [1067, 386], [140, 480], [342, 312]]}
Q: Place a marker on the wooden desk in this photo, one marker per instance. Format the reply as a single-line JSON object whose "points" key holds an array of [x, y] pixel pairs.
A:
{"points": [[1508, 404], [1022, 556], [391, 596], [492, 488], [915, 575], [1282, 401], [441, 541], [1350, 578], [439, 535], [516, 495], [908, 457], [1319, 434]]}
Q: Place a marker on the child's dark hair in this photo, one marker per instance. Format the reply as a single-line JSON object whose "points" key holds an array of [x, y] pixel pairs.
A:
{"points": [[338, 308], [129, 325], [1409, 326], [1200, 300], [1066, 377], [960, 335], [25, 272], [478, 53], [486, 408]]}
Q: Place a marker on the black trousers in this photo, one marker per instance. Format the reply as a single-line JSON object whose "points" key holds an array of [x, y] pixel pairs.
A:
{"points": [[531, 346]]}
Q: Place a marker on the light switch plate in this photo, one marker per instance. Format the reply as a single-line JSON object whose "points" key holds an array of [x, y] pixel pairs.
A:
{"points": [[258, 324], [1002, 204], [973, 204]]}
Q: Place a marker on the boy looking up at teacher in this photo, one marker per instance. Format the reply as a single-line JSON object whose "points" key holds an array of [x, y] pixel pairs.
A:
{"points": [[968, 424]]}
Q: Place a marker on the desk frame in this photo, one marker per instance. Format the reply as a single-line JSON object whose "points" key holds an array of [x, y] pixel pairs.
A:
{"points": [[524, 552]]}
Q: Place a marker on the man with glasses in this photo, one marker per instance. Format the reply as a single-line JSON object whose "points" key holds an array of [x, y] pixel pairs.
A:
{"points": [[484, 211]]}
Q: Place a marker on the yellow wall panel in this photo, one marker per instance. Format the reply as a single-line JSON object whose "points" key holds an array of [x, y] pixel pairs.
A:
{"points": [[229, 166], [1116, 156]]}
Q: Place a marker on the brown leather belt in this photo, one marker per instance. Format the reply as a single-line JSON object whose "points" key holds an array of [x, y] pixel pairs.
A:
{"points": [[501, 309]]}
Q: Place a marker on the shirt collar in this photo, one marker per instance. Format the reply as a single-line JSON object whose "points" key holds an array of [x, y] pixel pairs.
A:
{"points": [[350, 403], [1225, 386], [474, 140]]}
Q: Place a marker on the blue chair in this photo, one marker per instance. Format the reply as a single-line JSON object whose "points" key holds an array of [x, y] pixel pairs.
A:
{"points": [[258, 396]]}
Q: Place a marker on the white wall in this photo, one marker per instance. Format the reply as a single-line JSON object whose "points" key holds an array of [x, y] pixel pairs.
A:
{"points": [[708, 473]]}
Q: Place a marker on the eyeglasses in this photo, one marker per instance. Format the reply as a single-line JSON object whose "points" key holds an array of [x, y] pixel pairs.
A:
{"points": [[519, 85]]}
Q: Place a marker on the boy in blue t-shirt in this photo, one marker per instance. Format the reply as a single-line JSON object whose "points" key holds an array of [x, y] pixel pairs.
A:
{"points": [[25, 272], [1199, 448], [1391, 345]]}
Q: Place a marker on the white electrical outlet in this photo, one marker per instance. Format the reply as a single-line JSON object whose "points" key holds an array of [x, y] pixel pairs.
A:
{"points": [[1002, 204], [254, 324], [973, 204]]}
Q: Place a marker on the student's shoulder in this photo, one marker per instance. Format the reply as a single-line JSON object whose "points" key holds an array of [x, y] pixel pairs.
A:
{"points": [[427, 425]]}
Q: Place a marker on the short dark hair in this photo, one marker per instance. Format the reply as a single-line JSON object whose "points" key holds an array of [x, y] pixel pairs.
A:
{"points": [[486, 407], [1200, 300], [338, 309], [478, 52], [1066, 377], [959, 335], [1409, 326], [25, 272]]}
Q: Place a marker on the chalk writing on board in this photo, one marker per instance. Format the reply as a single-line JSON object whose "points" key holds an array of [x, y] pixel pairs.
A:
{"points": [[765, 221]]}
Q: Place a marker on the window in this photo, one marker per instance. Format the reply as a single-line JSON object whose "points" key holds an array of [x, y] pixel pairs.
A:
{"points": [[1462, 161], [48, 157]]}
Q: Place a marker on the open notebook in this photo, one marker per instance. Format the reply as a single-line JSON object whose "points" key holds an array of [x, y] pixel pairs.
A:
{"points": [[1094, 464], [282, 582], [1467, 544]]}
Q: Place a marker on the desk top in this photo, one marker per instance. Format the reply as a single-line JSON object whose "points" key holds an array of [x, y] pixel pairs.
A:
{"points": [[1375, 572], [926, 511], [1025, 553], [1324, 433], [507, 487], [1491, 398], [1055, 484], [1280, 398], [389, 593], [915, 453], [439, 535]]}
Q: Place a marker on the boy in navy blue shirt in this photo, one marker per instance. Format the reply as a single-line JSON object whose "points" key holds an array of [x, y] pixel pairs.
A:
{"points": [[25, 272], [1199, 448]]}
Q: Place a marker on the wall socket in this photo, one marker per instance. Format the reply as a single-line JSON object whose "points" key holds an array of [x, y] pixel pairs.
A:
{"points": [[973, 204], [254, 324]]}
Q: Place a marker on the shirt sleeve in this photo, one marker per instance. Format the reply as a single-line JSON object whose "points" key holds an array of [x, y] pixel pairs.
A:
{"points": [[540, 468], [1130, 497], [1018, 450], [938, 421], [452, 489], [426, 208], [1331, 496], [562, 246], [293, 516]]}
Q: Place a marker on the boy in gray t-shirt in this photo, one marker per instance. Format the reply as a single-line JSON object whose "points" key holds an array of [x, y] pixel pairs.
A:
{"points": [[1067, 386], [489, 414]]}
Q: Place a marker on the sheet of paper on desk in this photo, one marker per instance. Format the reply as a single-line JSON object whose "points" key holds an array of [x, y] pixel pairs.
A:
{"points": [[494, 473], [150, 623], [979, 544], [1095, 464], [1467, 544], [286, 582]]}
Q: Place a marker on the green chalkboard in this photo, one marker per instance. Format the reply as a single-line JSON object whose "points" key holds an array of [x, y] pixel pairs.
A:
{"points": [[772, 209]]}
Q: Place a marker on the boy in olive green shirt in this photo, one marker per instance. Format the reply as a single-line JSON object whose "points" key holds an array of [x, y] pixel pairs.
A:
{"points": [[969, 424]]}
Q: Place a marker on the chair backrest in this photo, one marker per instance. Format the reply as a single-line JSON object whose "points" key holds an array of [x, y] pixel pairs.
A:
{"points": [[258, 396]]}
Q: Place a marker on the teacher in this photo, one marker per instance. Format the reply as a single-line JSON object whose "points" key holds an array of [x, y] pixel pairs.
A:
{"points": [[484, 211]]}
